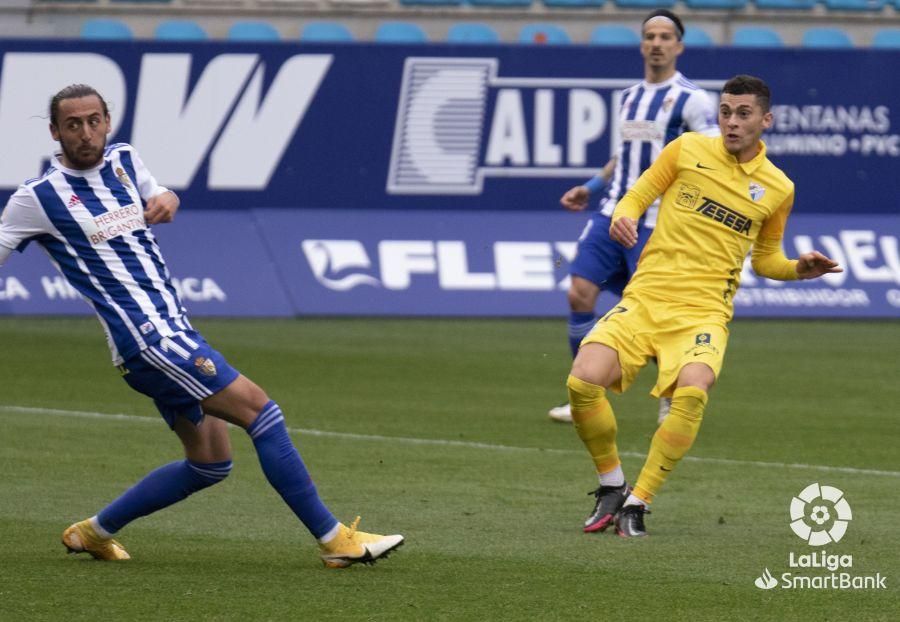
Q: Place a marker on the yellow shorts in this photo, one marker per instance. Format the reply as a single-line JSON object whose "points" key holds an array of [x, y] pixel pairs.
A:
{"points": [[639, 330]]}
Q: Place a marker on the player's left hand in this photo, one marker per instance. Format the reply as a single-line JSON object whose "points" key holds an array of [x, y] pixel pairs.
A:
{"points": [[624, 231], [814, 264], [161, 208]]}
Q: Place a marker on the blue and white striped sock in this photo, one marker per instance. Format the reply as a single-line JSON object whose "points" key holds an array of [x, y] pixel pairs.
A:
{"points": [[159, 489], [285, 470], [580, 324]]}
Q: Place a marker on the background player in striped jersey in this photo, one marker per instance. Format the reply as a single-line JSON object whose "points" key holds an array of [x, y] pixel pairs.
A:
{"points": [[721, 197], [91, 211], [652, 113]]}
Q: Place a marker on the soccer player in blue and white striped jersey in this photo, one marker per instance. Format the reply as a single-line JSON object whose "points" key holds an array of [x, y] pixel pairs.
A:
{"points": [[651, 114], [91, 211]]}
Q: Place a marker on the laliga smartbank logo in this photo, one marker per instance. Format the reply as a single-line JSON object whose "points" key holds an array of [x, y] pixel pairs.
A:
{"points": [[817, 507], [820, 515], [766, 581]]}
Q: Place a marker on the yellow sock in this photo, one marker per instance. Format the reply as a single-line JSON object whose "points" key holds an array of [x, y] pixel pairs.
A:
{"points": [[595, 422], [672, 440]]}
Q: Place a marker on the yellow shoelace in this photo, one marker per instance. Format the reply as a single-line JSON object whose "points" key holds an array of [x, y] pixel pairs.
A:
{"points": [[352, 529]]}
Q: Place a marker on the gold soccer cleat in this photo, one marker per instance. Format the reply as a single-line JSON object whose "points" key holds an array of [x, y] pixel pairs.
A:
{"points": [[352, 547], [81, 538]]}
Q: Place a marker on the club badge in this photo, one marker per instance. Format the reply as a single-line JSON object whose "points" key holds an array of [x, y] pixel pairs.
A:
{"points": [[123, 177], [756, 191], [205, 366]]}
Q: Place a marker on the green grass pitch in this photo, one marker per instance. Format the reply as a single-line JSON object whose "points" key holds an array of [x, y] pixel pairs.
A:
{"points": [[437, 429]]}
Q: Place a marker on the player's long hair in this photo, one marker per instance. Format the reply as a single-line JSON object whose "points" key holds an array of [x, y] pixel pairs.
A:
{"points": [[74, 91]]}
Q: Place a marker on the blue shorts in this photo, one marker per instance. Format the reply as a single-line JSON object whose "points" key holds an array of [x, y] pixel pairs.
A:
{"points": [[603, 262], [178, 372]]}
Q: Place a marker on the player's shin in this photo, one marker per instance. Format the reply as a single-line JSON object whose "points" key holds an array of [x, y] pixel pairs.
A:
{"points": [[594, 422], [286, 472], [672, 440], [159, 489]]}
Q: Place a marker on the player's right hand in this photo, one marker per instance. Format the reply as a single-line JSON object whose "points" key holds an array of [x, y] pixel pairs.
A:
{"points": [[161, 208], [576, 199], [624, 231]]}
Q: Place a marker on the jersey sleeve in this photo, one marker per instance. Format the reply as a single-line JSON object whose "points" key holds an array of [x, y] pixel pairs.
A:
{"points": [[147, 185], [21, 220], [652, 183], [767, 256], [700, 114]]}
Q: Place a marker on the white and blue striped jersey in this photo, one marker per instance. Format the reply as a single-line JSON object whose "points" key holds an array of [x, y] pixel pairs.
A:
{"points": [[91, 224], [650, 117]]}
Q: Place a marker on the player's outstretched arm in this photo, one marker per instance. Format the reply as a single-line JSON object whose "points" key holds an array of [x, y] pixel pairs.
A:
{"points": [[161, 208], [767, 256], [814, 264]]}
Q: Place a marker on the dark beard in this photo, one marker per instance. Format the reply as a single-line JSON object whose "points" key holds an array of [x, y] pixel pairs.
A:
{"points": [[80, 163]]}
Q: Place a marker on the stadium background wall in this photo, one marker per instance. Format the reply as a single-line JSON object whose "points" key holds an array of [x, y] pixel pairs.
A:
{"points": [[372, 179]]}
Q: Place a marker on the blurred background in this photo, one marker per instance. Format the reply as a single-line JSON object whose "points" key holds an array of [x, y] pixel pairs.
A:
{"points": [[808, 23]]}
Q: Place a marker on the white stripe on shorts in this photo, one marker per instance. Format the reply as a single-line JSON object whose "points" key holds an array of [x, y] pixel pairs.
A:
{"points": [[177, 375]]}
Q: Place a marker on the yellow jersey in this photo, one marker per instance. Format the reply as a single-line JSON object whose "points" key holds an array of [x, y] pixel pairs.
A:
{"points": [[713, 210]]}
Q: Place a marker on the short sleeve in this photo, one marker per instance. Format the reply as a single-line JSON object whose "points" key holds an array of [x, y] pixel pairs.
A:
{"points": [[700, 114], [146, 183], [21, 220]]}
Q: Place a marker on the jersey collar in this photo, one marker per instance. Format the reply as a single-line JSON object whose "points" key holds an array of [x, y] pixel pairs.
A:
{"points": [[659, 85], [58, 164], [748, 167]]}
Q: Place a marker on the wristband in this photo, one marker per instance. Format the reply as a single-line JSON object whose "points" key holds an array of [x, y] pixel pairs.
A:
{"points": [[595, 184]]}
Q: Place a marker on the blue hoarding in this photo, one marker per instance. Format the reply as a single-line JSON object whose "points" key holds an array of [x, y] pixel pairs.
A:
{"points": [[272, 262], [438, 127]]}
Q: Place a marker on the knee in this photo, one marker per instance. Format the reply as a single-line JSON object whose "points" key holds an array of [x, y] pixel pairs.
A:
{"points": [[582, 370], [597, 364], [581, 390], [582, 295], [255, 397], [699, 375], [240, 403], [210, 473]]}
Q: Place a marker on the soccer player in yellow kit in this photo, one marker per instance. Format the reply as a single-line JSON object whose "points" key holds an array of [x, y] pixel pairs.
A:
{"points": [[721, 196]]}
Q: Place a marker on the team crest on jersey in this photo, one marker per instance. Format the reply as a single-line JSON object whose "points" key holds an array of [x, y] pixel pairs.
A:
{"points": [[146, 327], [756, 191], [205, 366], [122, 177], [703, 339], [667, 104], [73, 201]]}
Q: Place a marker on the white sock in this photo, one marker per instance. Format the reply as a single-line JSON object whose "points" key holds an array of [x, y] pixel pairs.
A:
{"points": [[331, 535], [100, 531], [632, 500], [616, 477]]}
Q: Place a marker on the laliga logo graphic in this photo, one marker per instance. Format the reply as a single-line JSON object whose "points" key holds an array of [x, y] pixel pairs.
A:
{"points": [[329, 257], [819, 515], [766, 581], [814, 508]]}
